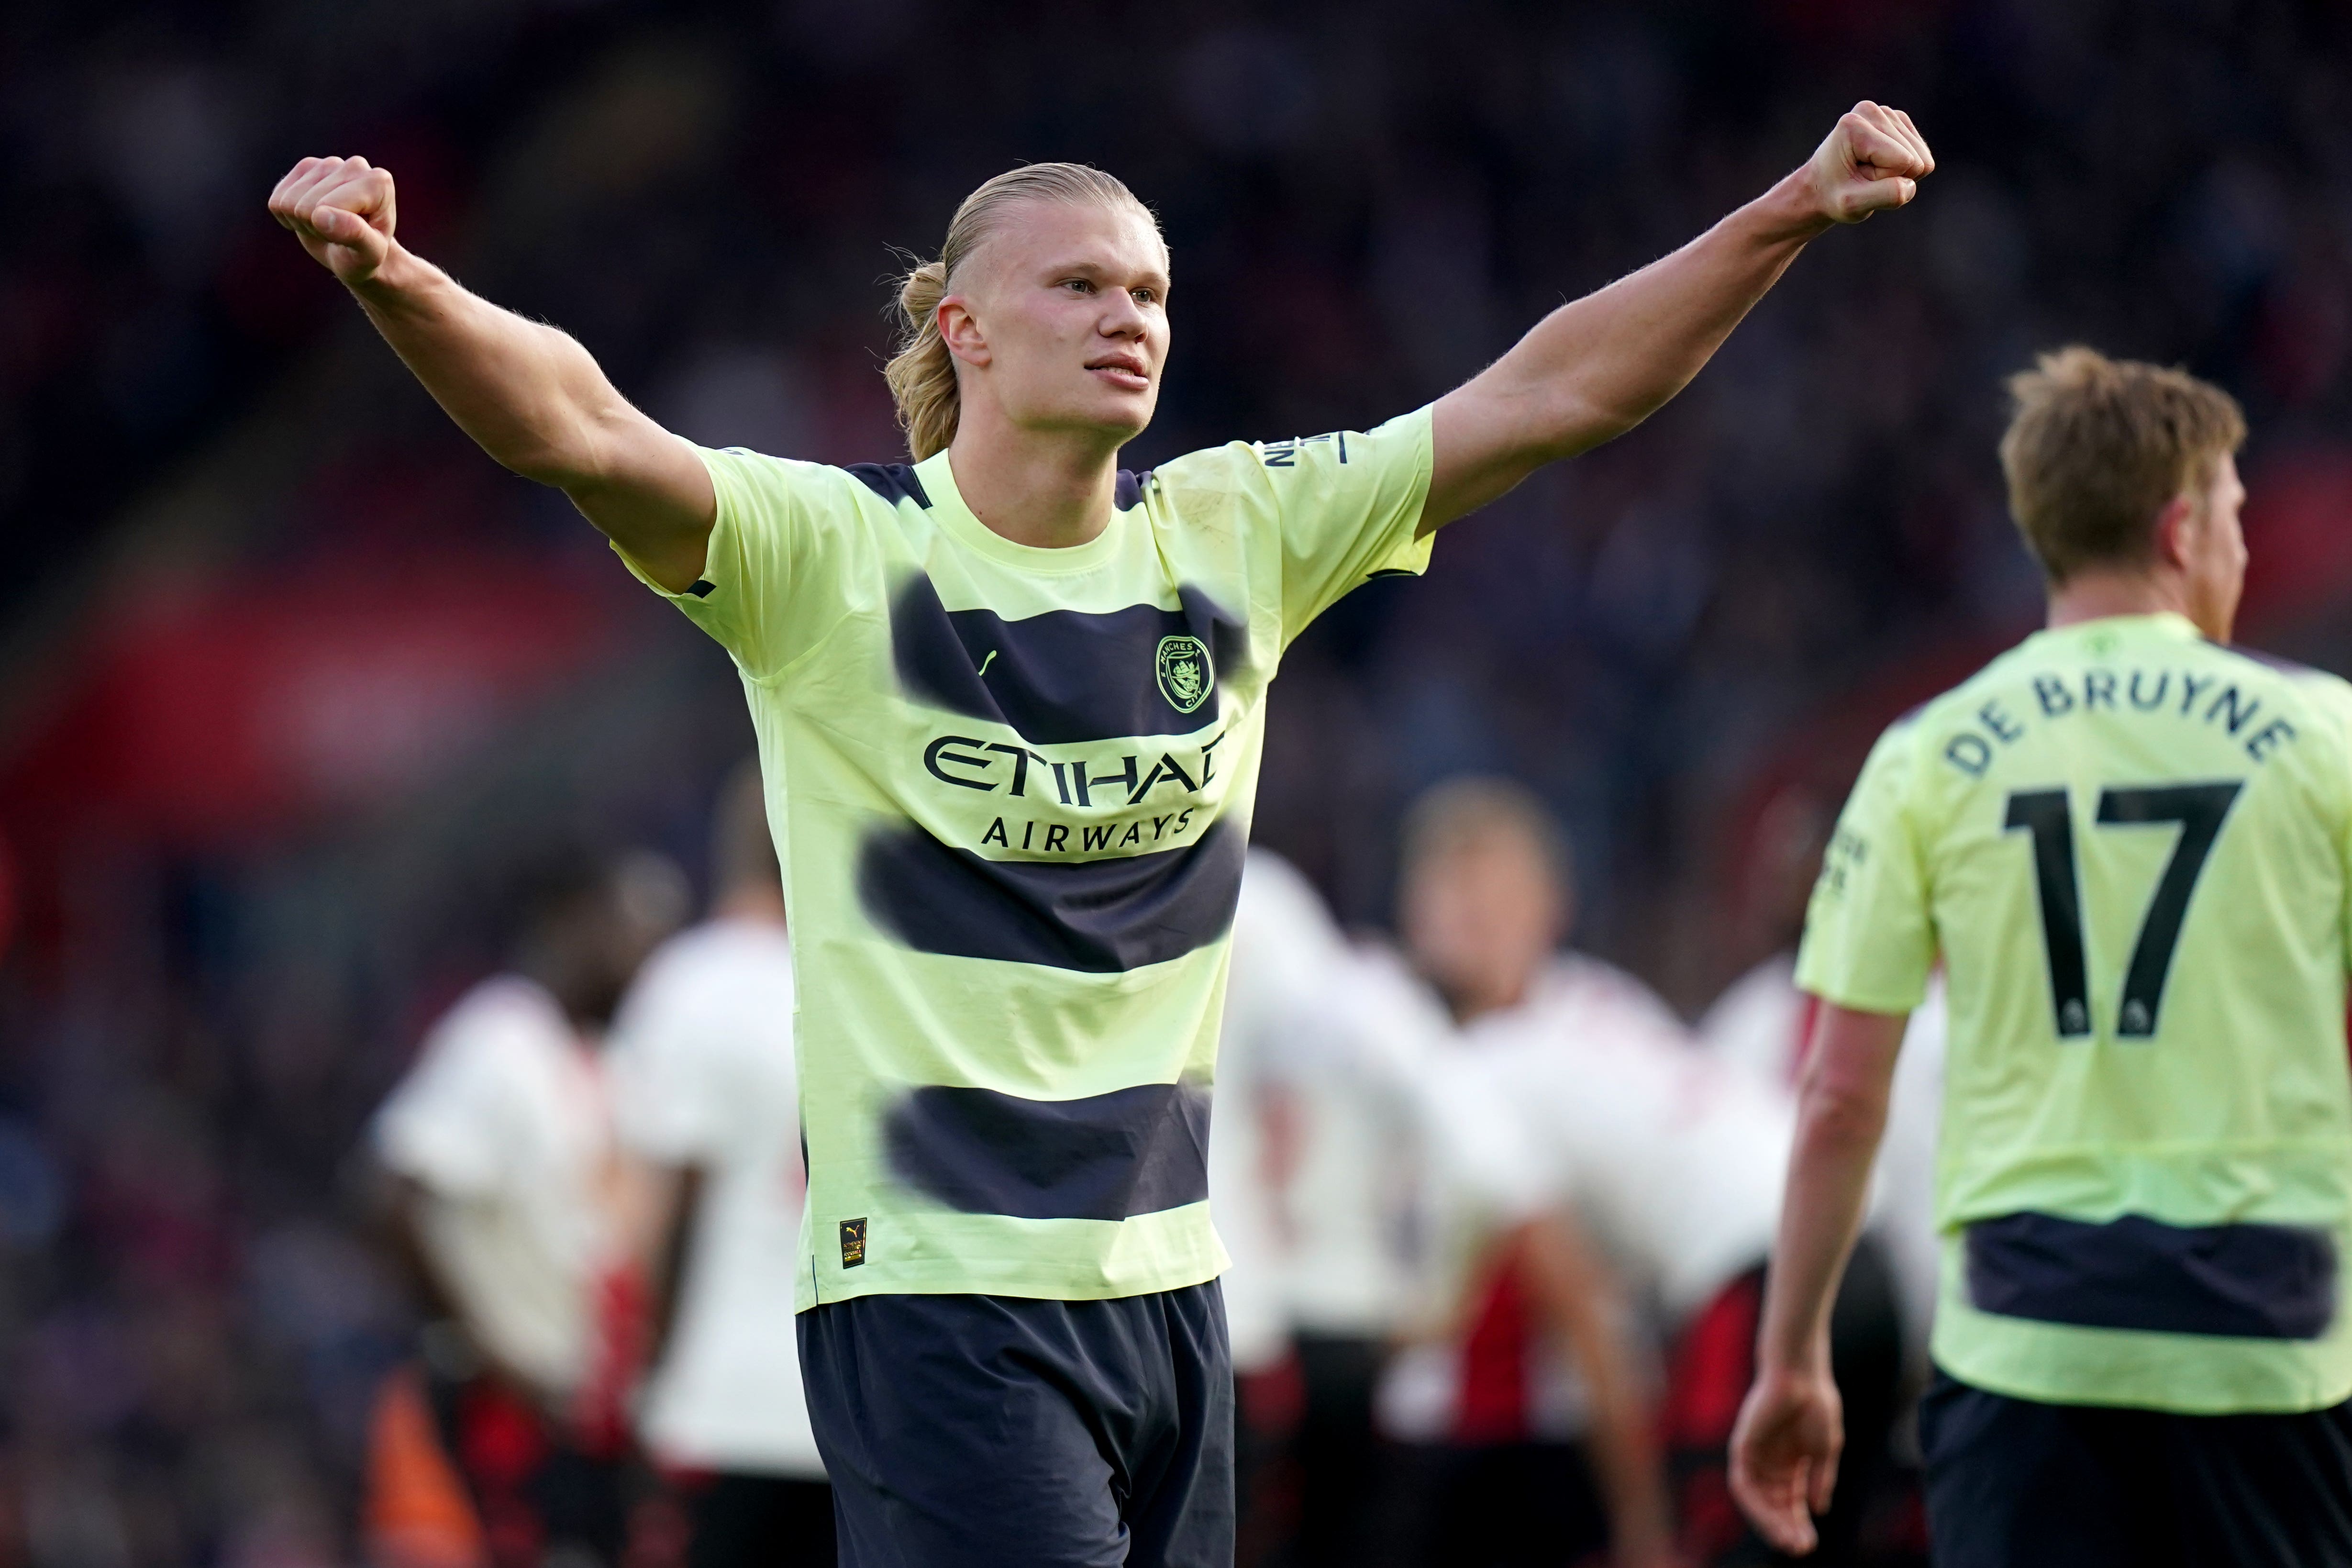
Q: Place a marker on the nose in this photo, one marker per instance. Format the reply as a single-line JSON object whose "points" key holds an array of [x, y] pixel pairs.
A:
{"points": [[1122, 317]]}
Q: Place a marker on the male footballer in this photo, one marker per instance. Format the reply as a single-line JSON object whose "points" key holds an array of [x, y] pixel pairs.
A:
{"points": [[2130, 845], [1009, 699]]}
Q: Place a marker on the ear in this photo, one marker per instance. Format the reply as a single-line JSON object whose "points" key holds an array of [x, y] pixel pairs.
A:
{"points": [[960, 329], [2174, 527]]}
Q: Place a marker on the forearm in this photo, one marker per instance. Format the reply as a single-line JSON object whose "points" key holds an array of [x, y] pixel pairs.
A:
{"points": [[1582, 1310], [1592, 370], [1625, 1452], [1821, 1215], [674, 1198], [441, 1304], [1598, 366], [529, 395]]}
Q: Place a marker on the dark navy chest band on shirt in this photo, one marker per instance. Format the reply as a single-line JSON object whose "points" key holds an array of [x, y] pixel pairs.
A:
{"points": [[2238, 1281], [1101, 916], [1108, 1156]]}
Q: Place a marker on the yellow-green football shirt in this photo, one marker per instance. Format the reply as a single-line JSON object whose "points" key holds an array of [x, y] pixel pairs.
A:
{"points": [[2130, 847], [1011, 788]]}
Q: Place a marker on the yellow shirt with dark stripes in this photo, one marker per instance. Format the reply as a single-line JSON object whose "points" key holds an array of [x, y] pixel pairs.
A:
{"points": [[2132, 849], [1010, 789]]}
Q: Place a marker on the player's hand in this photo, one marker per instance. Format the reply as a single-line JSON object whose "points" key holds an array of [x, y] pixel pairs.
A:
{"points": [[1784, 1456], [1874, 158], [342, 210]]}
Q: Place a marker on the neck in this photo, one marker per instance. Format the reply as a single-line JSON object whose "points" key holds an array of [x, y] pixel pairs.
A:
{"points": [[1468, 1003], [1049, 488], [587, 999], [2095, 595], [760, 901]]}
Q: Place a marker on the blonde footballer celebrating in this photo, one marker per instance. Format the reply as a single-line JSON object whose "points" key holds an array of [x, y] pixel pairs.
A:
{"points": [[1009, 699]]}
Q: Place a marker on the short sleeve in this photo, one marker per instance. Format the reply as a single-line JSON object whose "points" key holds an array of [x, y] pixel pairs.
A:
{"points": [[1348, 505], [1870, 941], [770, 584], [444, 1127]]}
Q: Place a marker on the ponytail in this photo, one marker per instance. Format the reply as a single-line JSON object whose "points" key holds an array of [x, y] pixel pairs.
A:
{"points": [[923, 373]]}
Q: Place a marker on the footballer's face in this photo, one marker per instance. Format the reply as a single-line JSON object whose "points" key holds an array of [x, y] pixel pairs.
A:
{"points": [[1061, 323], [1480, 917], [2213, 552]]}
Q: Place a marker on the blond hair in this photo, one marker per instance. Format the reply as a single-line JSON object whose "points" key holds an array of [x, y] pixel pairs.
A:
{"points": [[922, 372], [2097, 446], [1467, 810]]}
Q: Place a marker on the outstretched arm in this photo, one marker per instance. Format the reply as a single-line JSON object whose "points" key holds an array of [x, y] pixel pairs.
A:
{"points": [[1784, 1452], [1595, 368], [531, 395]]}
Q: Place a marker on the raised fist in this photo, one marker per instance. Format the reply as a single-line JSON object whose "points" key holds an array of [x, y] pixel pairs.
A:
{"points": [[1874, 158], [342, 210]]}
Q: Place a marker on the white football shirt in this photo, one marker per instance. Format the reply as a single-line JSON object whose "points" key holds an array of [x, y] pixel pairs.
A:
{"points": [[1594, 1094], [1285, 946], [1758, 1025], [503, 1122], [703, 1075]]}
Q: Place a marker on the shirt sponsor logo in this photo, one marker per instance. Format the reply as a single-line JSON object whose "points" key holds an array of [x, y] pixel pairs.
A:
{"points": [[1186, 675]]}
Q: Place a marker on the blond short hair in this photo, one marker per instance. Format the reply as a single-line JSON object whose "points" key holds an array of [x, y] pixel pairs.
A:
{"points": [[2096, 446], [1463, 812], [923, 373]]}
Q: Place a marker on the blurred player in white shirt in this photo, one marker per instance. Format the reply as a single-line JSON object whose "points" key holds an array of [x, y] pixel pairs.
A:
{"points": [[706, 1101], [1312, 1162], [507, 1201], [1761, 1022], [1534, 1439], [1617, 1164]]}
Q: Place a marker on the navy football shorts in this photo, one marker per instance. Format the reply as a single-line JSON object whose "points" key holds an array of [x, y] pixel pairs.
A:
{"points": [[974, 1431], [2014, 1483]]}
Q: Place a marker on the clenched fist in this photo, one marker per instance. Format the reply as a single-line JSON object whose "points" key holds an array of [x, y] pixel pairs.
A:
{"points": [[1874, 158], [342, 210]]}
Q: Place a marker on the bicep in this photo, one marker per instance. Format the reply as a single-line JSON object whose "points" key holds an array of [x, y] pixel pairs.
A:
{"points": [[650, 493], [1488, 436]]}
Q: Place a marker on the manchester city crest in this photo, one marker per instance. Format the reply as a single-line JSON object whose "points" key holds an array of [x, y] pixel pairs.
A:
{"points": [[1186, 675]]}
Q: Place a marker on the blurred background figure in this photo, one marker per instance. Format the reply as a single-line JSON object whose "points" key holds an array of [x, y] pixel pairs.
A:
{"points": [[1283, 947], [1761, 1024], [1533, 1445], [501, 1447], [1314, 1160], [706, 1102], [1636, 1187]]}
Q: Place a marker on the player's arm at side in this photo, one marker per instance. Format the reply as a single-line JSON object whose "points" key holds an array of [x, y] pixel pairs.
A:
{"points": [[667, 1198], [528, 395], [1870, 947], [1784, 1452], [1581, 1300], [1595, 368], [399, 1205]]}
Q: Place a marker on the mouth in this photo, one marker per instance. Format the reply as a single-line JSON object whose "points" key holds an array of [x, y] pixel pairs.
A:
{"points": [[1125, 372]]}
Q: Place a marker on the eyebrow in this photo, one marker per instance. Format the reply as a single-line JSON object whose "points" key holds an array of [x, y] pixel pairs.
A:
{"points": [[1154, 278]]}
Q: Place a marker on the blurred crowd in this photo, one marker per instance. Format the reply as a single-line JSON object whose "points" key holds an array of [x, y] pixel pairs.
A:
{"points": [[295, 688]]}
